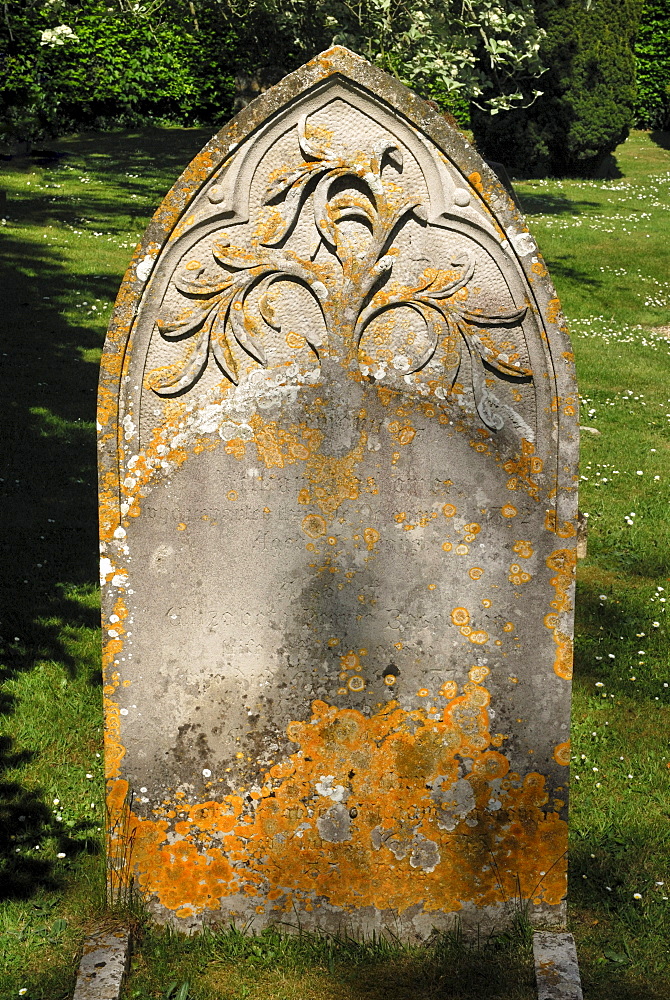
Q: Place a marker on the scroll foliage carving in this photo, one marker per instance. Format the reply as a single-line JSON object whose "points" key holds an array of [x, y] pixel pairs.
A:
{"points": [[362, 188]]}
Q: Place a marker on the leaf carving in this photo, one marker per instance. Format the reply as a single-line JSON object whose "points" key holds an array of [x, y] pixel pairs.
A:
{"points": [[342, 188], [176, 380]]}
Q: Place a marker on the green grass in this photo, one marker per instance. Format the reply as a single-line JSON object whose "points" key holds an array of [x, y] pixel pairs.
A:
{"points": [[69, 233], [276, 966]]}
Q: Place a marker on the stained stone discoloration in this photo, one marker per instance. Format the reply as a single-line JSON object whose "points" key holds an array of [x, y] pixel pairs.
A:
{"points": [[556, 967], [338, 440]]}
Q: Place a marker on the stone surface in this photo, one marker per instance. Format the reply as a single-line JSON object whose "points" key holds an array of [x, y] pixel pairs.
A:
{"points": [[103, 966], [338, 446], [556, 968]]}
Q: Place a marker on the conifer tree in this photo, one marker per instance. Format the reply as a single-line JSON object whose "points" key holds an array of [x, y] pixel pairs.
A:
{"points": [[588, 100], [652, 53]]}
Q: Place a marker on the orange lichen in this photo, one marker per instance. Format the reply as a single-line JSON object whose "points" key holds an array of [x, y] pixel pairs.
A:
{"points": [[371, 537], [314, 525], [517, 576], [568, 404], [564, 530], [236, 447], [386, 395], [562, 753], [563, 562], [111, 648], [402, 434], [523, 468], [277, 447], [563, 655], [553, 310], [475, 179], [333, 479], [399, 773]]}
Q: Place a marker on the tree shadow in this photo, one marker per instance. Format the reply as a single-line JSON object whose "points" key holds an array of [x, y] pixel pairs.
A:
{"points": [[600, 860], [549, 203], [49, 542], [661, 138], [564, 268], [599, 627]]}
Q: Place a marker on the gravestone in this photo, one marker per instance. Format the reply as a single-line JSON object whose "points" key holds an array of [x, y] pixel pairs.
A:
{"points": [[338, 446]]}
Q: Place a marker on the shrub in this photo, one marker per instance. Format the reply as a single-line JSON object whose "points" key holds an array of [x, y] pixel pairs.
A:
{"points": [[68, 65], [652, 54], [588, 100]]}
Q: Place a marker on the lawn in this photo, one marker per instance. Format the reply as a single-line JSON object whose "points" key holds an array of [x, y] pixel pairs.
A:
{"points": [[70, 225]]}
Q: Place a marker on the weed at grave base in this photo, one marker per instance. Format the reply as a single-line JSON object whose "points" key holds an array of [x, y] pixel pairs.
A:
{"points": [[276, 964]]}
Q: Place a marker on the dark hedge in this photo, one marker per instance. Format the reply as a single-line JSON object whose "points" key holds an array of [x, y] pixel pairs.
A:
{"points": [[653, 66], [186, 63], [588, 103], [182, 62]]}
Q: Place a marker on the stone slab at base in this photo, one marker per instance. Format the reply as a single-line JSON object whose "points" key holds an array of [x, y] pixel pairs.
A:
{"points": [[556, 967], [103, 966]]}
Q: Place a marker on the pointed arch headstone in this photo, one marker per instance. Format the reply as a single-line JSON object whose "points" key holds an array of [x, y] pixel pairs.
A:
{"points": [[338, 456]]}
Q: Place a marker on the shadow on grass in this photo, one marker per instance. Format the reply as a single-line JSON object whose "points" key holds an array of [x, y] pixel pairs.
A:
{"points": [[661, 138], [549, 203], [126, 162], [564, 268], [49, 539], [619, 623], [276, 964], [617, 933]]}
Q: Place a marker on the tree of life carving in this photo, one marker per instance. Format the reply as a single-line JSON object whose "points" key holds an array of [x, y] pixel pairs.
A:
{"points": [[362, 188]]}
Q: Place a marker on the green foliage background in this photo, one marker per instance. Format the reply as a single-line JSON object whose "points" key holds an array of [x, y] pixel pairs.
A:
{"points": [[588, 101], [653, 66], [177, 62], [168, 61], [125, 67]]}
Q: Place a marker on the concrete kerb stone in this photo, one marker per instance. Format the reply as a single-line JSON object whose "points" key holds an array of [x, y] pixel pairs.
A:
{"points": [[103, 966], [556, 967]]}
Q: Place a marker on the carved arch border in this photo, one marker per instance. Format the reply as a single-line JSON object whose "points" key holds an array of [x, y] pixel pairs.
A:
{"points": [[339, 73]]}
